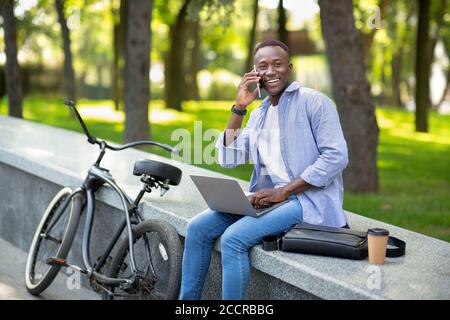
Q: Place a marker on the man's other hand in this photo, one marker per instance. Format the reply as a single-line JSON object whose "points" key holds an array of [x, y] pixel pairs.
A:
{"points": [[267, 196]]}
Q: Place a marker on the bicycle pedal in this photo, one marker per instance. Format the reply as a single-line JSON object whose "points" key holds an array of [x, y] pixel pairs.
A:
{"points": [[55, 261]]}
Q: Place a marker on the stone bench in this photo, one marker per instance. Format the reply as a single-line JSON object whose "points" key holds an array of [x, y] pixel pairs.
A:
{"points": [[37, 160]]}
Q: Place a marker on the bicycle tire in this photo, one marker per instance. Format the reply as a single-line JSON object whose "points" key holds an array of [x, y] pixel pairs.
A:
{"points": [[171, 247], [67, 196]]}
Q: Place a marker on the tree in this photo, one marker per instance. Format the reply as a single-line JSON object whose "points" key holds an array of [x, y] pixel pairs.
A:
{"points": [[69, 74], [282, 31], [388, 56], [368, 37], [438, 29], [423, 66], [119, 24], [192, 60], [445, 91], [398, 31], [137, 67], [12, 69], [446, 41], [174, 62], [351, 91], [252, 37]]}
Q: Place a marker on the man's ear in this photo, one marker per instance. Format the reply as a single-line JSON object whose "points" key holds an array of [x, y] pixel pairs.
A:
{"points": [[290, 71]]}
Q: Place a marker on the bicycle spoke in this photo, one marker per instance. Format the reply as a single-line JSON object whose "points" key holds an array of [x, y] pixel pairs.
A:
{"points": [[50, 238], [147, 251], [59, 212]]}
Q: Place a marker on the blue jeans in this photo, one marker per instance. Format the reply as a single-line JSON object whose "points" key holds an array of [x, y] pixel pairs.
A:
{"points": [[239, 234]]}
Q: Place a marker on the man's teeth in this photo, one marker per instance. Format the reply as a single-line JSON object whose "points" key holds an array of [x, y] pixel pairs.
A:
{"points": [[273, 81]]}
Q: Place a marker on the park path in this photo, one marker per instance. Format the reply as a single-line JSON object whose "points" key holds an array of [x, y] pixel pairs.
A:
{"points": [[12, 286]]}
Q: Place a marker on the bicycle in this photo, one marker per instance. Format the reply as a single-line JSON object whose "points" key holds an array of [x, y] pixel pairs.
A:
{"points": [[147, 263]]}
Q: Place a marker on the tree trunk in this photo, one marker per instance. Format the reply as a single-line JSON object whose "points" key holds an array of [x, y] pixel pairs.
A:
{"points": [[2, 80], [137, 67], [174, 64], [12, 70], [423, 66], [434, 36], [100, 81], [252, 38], [396, 66], [117, 74], [444, 93], [69, 74], [115, 62], [193, 60], [282, 31], [352, 93], [439, 18], [115, 68], [397, 61]]}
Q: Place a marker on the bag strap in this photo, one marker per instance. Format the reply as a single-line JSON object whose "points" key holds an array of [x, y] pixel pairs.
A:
{"points": [[398, 251], [272, 243]]}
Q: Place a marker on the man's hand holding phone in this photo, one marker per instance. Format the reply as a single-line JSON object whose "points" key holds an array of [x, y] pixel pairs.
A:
{"points": [[244, 95]]}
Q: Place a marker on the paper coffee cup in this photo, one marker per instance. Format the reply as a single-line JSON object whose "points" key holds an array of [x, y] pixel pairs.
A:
{"points": [[378, 239]]}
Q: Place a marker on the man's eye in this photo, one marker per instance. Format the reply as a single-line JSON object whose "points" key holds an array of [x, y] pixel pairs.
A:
{"points": [[262, 67]]}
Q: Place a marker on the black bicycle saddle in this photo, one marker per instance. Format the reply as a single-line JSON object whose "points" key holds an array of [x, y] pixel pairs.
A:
{"points": [[158, 170]]}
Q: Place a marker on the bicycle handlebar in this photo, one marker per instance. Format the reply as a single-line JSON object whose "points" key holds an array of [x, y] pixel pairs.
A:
{"points": [[71, 105], [144, 142], [94, 140]]}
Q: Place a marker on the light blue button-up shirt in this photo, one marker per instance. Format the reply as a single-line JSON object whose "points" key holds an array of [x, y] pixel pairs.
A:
{"points": [[312, 147]]}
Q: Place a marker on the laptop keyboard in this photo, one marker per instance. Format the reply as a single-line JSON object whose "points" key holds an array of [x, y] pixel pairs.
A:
{"points": [[262, 208]]}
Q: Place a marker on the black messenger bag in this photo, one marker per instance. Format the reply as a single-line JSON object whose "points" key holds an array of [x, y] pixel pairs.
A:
{"points": [[328, 241]]}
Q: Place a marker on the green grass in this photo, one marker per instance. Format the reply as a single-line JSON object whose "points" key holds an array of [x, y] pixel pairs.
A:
{"points": [[414, 175], [413, 167]]}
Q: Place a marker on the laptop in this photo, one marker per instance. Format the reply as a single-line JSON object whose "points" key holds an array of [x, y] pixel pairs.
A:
{"points": [[226, 195]]}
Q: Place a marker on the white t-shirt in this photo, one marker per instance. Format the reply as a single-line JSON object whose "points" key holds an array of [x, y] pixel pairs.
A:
{"points": [[268, 145]]}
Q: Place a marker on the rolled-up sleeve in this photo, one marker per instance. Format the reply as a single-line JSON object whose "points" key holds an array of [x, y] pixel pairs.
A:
{"points": [[327, 131], [238, 152]]}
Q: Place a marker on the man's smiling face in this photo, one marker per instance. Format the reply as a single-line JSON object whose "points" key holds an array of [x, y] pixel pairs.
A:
{"points": [[272, 63]]}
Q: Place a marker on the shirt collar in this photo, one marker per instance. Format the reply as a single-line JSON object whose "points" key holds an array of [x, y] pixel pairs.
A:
{"points": [[292, 87]]}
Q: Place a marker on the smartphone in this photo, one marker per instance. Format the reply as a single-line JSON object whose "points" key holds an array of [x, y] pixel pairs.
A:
{"points": [[261, 83]]}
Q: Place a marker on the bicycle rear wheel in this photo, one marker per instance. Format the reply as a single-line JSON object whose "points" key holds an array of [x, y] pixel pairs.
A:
{"points": [[158, 253], [53, 238]]}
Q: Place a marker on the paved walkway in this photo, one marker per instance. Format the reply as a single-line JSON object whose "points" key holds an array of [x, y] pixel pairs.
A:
{"points": [[12, 286]]}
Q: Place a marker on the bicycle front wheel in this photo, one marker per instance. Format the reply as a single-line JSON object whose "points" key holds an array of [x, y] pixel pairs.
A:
{"points": [[158, 253], [53, 238]]}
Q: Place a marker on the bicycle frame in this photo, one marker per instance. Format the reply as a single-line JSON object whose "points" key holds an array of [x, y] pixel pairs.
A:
{"points": [[96, 178]]}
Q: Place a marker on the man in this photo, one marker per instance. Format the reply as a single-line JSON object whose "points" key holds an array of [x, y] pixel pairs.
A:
{"points": [[298, 149]]}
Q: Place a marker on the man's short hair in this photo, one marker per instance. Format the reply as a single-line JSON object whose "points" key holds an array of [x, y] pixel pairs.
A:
{"points": [[271, 43]]}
